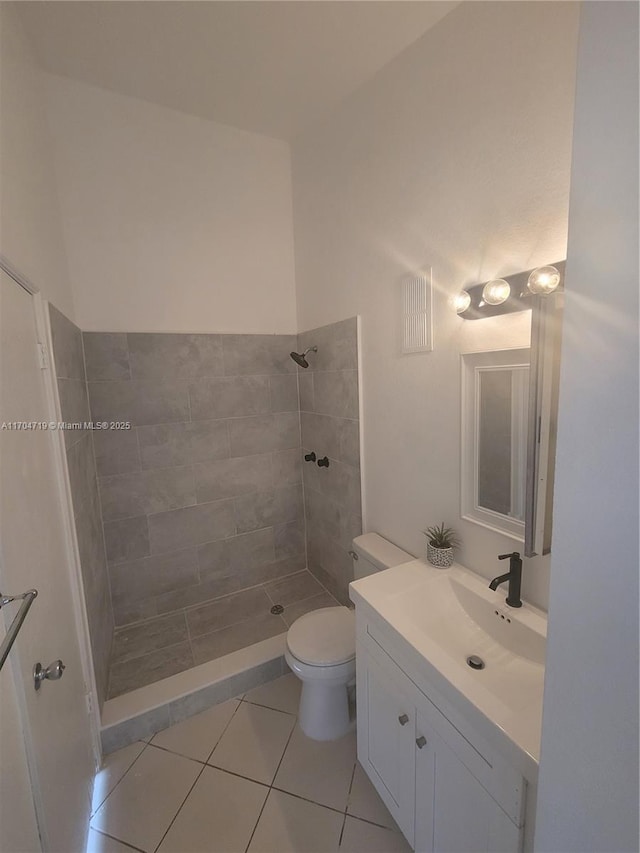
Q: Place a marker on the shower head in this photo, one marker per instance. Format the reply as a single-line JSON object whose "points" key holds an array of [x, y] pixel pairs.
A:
{"points": [[300, 359]]}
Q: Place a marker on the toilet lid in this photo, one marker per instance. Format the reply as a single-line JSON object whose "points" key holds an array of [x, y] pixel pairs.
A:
{"points": [[324, 637]]}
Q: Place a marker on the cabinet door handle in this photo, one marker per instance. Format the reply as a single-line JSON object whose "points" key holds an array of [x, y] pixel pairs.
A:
{"points": [[403, 719], [421, 741]]}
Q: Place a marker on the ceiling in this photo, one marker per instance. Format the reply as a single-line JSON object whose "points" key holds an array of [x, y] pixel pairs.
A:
{"points": [[268, 66]]}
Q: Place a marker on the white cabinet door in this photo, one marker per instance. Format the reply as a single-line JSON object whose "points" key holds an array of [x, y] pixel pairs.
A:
{"points": [[386, 746], [466, 819]]}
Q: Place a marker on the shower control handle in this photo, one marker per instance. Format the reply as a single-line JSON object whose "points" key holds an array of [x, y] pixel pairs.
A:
{"points": [[310, 457], [324, 462]]}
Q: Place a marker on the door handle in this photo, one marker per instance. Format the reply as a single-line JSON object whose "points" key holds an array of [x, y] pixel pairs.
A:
{"points": [[53, 672], [403, 719], [421, 741]]}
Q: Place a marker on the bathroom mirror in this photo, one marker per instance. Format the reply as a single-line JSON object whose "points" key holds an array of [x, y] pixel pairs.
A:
{"points": [[495, 398], [509, 423]]}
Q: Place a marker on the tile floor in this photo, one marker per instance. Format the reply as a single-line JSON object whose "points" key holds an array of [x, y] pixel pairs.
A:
{"points": [[157, 648], [240, 777]]}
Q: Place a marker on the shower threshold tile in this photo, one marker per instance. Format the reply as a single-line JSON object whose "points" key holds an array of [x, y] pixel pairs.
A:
{"points": [[234, 637], [140, 671]]}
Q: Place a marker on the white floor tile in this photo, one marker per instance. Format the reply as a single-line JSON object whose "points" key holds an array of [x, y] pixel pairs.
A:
{"points": [[254, 742], [283, 694], [291, 825], [147, 799], [113, 769], [361, 837], [318, 770], [99, 843], [219, 815], [365, 802], [197, 736]]}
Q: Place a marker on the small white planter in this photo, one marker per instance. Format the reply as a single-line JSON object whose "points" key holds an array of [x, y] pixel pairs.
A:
{"points": [[440, 557]]}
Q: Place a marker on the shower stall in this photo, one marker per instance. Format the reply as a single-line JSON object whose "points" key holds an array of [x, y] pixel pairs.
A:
{"points": [[202, 532]]}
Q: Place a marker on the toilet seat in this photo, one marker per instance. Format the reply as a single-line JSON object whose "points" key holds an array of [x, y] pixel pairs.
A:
{"points": [[324, 637]]}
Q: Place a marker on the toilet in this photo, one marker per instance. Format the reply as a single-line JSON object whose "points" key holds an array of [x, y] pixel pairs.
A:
{"points": [[321, 647]]}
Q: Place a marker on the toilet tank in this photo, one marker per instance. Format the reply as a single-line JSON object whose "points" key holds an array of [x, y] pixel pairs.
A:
{"points": [[372, 553]]}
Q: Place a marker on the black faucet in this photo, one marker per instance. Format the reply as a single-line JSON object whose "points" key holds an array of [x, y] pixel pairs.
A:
{"points": [[514, 576]]}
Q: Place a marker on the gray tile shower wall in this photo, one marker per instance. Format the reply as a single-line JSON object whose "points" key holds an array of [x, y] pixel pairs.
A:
{"points": [[72, 390], [329, 418], [202, 497]]}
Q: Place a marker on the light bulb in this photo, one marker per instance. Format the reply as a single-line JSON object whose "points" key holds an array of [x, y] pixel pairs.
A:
{"points": [[496, 292], [462, 301], [543, 280]]}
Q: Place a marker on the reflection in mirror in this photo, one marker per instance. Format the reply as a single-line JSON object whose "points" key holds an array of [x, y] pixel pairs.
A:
{"points": [[495, 397], [501, 415]]}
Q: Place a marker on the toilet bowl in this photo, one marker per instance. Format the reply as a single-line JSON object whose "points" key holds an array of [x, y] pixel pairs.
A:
{"points": [[321, 648], [321, 651]]}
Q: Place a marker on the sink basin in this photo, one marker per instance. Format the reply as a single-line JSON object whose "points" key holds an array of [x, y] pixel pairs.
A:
{"points": [[448, 615], [455, 611]]}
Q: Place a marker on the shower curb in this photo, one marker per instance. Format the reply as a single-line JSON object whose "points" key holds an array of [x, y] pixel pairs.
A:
{"points": [[143, 712]]}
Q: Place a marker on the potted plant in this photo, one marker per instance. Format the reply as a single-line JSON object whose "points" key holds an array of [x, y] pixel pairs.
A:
{"points": [[441, 541]]}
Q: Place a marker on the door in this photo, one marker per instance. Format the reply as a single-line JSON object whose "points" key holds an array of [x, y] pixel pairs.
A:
{"points": [[53, 721]]}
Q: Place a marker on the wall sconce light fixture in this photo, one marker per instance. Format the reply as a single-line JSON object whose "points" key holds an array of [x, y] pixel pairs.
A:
{"points": [[461, 302], [510, 294], [543, 280], [496, 292]]}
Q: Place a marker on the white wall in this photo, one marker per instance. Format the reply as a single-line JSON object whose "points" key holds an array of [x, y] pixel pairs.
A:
{"points": [[30, 230], [172, 223], [457, 156], [588, 789]]}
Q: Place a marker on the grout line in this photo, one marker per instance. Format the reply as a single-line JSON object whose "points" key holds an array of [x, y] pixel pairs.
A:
{"points": [[346, 807], [195, 781], [353, 775], [181, 806], [268, 707], [173, 752], [253, 832], [120, 779], [239, 775], [148, 653], [224, 730], [271, 785], [373, 823], [284, 751], [307, 800], [344, 823], [119, 840]]}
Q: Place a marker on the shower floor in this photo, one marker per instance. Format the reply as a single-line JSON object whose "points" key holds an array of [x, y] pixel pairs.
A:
{"points": [[157, 648]]}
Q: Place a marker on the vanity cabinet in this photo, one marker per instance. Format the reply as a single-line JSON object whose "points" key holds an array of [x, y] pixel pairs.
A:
{"points": [[447, 791]]}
